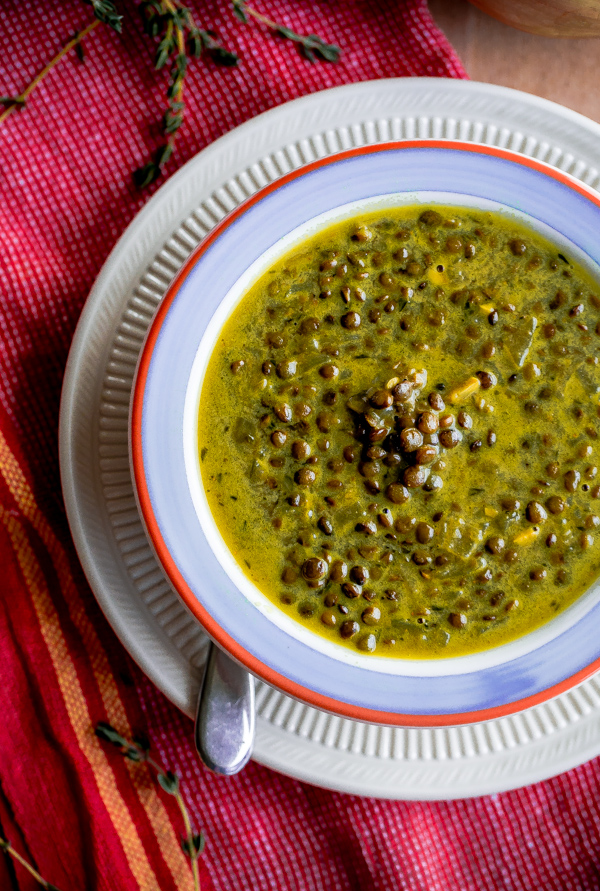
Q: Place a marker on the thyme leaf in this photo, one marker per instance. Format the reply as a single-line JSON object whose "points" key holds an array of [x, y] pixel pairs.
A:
{"points": [[9, 101], [79, 51], [106, 12], [311, 45]]}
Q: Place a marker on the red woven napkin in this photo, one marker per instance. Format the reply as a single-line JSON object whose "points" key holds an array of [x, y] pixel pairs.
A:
{"points": [[86, 817]]}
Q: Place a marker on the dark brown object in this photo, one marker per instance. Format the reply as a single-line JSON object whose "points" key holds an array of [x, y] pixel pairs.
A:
{"points": [[314, 569], [326, 421], [430, 218], [397, 493], [351, 590], [287, 368], [436, 402], [572, 478], [414, 477], [424, 533], [487, 380], [300, 450], [428, 422], [283, 412], [402, 391], [371, 615], [309, 326], [556, 504], [329, 618], [495, 545], [450, 438], [535, 512], [359, 574], [518, 247], [382, 399], [457, 620], [338, 571], [351, 320], [426, 455], [348, 629], [325, 526], [411, 439], [305, 476], [351, 453]]}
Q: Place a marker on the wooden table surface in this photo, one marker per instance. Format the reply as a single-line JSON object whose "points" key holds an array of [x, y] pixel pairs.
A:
{"points": [[565, 71]]}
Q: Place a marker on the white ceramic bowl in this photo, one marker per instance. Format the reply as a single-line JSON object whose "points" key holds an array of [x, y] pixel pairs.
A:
{"points": [[166, 463]]}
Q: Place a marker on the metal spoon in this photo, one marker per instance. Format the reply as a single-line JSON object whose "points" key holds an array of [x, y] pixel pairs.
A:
{"points": [[225, 718]]}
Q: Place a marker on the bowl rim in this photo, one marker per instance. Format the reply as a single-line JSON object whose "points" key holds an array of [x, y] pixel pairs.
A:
{"points": [[251, 662]]}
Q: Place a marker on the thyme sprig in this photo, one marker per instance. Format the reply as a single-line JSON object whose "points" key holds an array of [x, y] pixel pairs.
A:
{"points": [[8, 849], [311, 45], [179, 40], [139, 750], [16, 103]]}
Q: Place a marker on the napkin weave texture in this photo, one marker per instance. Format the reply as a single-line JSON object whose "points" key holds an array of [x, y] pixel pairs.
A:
{"points": [[75, 808]]}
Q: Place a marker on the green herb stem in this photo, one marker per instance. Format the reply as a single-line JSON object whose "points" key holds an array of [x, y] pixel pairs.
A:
{"points": [[14, 103], [178, 97], [190, 847], [8, 849], [180, 40]]}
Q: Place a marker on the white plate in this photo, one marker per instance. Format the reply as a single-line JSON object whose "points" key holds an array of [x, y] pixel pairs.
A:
{"points": [[148, 617]]}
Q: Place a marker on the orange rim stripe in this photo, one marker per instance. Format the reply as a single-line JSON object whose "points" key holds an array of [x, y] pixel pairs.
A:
{"points": [[252, 663]]}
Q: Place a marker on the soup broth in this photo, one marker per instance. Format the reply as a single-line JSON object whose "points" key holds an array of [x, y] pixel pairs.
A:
{"points": [[398, 432]]}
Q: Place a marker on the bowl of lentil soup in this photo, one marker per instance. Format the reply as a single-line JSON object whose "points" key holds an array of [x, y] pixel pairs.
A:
{"points": [[363, 433]]}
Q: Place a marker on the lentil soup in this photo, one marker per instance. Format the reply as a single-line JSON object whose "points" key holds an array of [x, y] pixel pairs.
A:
{"points": [[398, 432]]}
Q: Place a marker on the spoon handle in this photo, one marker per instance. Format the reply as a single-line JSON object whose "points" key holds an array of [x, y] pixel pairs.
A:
{"points": [[225, 719]]}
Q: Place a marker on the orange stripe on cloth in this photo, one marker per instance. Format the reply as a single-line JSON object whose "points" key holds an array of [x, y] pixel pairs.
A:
{"points": [[76, 706], [166, 836]]}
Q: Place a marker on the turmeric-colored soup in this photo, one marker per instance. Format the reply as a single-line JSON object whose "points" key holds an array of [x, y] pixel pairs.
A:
{"points": [[398, 432]]}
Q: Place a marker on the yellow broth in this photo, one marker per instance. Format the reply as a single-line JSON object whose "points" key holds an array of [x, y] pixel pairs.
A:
{"points": [[398, 432]]}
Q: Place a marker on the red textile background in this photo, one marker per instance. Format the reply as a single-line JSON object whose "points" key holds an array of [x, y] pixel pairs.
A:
{"points": [[81, 813]]}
